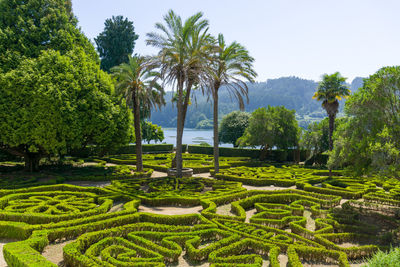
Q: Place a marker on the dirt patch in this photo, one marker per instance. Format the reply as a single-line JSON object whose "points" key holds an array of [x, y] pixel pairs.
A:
{"points": [[4, 241], [170, 210], [283, 260], [54, 252], [117, 206], [270, 187], [156, 174], [249, 214], [225, 210], [89, 183], [203, 175], [310, 224]]}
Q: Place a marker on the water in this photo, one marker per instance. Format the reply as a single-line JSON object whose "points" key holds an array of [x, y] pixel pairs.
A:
{"points": [[191, 137]]}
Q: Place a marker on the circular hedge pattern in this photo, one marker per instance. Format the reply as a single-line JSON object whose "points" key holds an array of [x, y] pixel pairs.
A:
{"points": [[54, 204], [325, 220]]}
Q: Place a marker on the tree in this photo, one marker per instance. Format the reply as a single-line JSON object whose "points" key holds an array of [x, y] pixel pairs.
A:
{"points": [[233, 126], [137, 82], [316, 137], [271, 127], [184, 54], [54, 97], [29, 27], [152, 132], [369, 140], [116, 42], [259, 132], [230, 64], [331, 89], [56, 103]]}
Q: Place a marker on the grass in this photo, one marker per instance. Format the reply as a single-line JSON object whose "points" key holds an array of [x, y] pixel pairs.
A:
{"points": [[385, 259]]}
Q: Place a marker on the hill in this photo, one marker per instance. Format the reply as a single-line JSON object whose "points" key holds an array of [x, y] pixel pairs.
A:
{"points": [[291, 92]]}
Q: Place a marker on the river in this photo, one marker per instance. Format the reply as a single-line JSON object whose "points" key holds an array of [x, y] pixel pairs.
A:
{"points": [[191, 137]]}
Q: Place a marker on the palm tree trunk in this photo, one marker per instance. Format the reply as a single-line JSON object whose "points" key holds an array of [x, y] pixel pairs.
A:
{"points": [[331, 128], [216, 141], [179, 130], [138, 133]]}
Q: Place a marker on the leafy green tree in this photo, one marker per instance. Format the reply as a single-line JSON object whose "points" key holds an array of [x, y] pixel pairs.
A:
{"points": [[184, 51], [230, 64], [136, 81], [29, 27], [152, 132], [116, 42], [369, 140], [54, 97], [260, 132], [286, 129], [316, 137], [233, 126], [271, 127], [331, 89], [55, 103]]}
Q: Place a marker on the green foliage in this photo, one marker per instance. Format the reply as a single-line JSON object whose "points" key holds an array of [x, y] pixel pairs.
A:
{"points": [[368, 141], [316, 137], [27, 29], [67, 110], [232, 126], [151, 132], [275, 126], [278, 226], [54, 97], [382, 259], [116, 42]]}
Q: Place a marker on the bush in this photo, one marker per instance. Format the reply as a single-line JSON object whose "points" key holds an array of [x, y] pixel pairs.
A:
{"points": [[384, 259]]}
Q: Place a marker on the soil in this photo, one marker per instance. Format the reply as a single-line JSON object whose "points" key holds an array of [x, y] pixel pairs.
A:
{"points": [[170, 210], [89, 183], [271, 187], [225, 210], [117, 206], [54, 252]]}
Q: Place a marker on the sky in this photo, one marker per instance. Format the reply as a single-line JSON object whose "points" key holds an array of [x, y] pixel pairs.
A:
{"points": [[303, 38]]}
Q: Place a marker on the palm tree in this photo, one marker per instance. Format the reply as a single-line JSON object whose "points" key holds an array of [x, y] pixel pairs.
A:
{"points": [[230, 64], [137, 83], [183, 56], [331, 89]]}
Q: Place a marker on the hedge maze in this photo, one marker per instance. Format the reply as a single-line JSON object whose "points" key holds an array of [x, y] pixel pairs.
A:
{"points": [[309, 219]]}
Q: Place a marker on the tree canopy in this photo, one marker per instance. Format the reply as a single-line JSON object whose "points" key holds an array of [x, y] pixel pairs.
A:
{"points": [[116, 42], [152, 132], [369, 141], [54, 96], [233, 126], [271, 127], [29, 27]]}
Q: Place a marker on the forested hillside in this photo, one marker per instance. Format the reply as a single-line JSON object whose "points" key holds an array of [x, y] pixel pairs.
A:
{"points": [[291, 92]]}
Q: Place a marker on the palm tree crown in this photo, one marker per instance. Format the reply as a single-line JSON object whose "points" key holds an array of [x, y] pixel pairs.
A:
{"points": [[182, 58], [136, 81], [331, 89], [230, 64], [137, 77]]}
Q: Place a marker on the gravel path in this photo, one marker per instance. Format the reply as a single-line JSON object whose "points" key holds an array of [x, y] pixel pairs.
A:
{"points": [[170, 210], [54, 252], [4, 241]]}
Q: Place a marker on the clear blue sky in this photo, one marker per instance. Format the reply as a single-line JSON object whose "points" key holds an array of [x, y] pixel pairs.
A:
{"points": [[303, 38]]}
